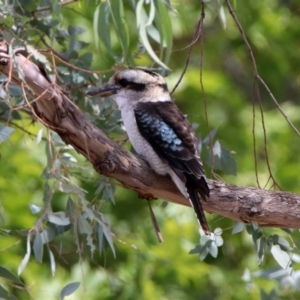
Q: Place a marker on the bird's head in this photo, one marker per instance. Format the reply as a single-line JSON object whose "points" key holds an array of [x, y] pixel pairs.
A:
{"points": [[134, 86]]}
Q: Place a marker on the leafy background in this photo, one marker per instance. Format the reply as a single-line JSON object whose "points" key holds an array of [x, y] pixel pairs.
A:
{"points": [[36, 168]]}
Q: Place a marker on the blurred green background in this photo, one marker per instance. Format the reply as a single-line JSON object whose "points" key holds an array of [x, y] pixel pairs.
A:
{"points": [[143, 268]]}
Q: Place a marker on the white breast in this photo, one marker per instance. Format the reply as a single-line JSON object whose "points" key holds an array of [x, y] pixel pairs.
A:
{"points": [[141, 146]]}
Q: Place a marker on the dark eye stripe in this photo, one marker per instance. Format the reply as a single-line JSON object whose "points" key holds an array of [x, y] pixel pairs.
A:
{"points": [[132, 85], [137, 86], [124, 82]]}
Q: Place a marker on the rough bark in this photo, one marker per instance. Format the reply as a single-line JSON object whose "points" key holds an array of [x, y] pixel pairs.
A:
{"points": [[56, 110]]}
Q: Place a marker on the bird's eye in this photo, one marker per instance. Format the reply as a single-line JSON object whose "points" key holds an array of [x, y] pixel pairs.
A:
{"points": [[124, 82]]}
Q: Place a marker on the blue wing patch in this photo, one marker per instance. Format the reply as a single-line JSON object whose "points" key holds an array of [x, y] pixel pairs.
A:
{"points": [[161, 132]]}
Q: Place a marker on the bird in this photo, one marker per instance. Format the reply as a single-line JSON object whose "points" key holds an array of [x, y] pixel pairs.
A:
{"points": [[159, 132]]}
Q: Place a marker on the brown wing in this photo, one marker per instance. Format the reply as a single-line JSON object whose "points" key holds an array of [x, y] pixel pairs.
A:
{"points": [[172, 137]]}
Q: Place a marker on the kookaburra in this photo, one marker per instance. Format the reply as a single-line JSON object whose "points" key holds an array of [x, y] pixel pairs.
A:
{"points": [[159, 132]]}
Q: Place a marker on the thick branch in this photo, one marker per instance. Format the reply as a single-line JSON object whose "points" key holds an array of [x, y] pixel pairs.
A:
{"points": [[55, 110]]}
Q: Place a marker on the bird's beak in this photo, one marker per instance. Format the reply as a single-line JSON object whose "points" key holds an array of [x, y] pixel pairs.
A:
{"points": [[105, 91]]}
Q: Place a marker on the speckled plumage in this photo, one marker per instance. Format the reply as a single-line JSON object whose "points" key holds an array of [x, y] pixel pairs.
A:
{"points": [[159, 132]]}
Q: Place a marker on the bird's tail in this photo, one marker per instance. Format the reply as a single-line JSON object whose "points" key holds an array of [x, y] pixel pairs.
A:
{"points": [[194, 199]]}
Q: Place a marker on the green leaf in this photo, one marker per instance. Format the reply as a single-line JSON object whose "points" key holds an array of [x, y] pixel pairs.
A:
{"points": [[256, 235], [288, 230], [90, 243], [58, 218], [271, 296], [223, 160], [48, 235], [121, 27], [10, 276], [196, 250], [142, 20], [218, 241], [75, 30], [228, 162], [108, 193], [35, 209], [52, 261], [282, 242], [71, 208], [213, 250], [209, 137], [164, 26], [108, 236], [100, 235], [26, 258], [238, 227], [261, 249], [101, 26], [251, 228], [39, 136], [83, 225], [203, 253], [4, 294], [282, 258], [5, 132], [69, 289], [38, 248], [47, 193]]}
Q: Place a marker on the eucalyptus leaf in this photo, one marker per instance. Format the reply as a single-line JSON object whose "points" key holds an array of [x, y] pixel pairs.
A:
{"points": [[196, 250], [238, 227], [39, 136], [210, 137], [108, 236], [69, 289], [52, 261], [121, 27], [38, 248], [282, 258], [48, 235], [58, 218], [26, 258], [5, 132], [10, 276], [281, 241], [35, 209], [4, 294], [100, 235], [261, 250], [142, 20], [164, 26], [83, 226], [101, 25], [213, 250], [203, 252]]}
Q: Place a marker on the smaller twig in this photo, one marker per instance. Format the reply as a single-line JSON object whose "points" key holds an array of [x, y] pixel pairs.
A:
{"points": [[155, 225], [24, 130], [257, 94], [203, 92], [194, 40], [52, 52], [10, 65], [277, 104], [9, 246], [33, 111], [254, 142]]}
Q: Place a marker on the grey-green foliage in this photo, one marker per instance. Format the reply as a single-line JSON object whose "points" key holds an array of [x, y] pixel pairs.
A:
{"points": [[152, 22], [123, 32]]}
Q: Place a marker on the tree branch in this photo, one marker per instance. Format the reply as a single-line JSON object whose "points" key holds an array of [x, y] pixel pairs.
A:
{"points": [[56, 110]]}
